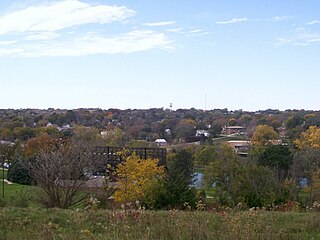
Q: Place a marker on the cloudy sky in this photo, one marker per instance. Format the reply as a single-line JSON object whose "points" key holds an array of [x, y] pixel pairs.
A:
{"points": [[209, 54]]}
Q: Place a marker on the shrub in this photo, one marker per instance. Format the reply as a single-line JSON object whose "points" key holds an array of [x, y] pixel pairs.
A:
{"points": [[19, 173], [22, 199]]}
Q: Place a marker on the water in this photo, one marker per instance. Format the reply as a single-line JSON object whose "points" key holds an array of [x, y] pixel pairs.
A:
{"points": [[198, 178]]}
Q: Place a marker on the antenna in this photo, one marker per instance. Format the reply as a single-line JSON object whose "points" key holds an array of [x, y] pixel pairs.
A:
{"points": [[170, 106]]}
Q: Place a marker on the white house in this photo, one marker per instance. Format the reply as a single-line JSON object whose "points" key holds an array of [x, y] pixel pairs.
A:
{"points": [[161, 142], [200, 133]]}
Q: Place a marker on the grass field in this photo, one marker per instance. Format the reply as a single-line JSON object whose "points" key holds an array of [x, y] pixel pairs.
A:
{"points": [[40, 223], [36, 222], [5, 173]]}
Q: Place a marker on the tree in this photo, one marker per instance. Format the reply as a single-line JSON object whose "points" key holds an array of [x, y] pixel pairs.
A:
{"points": [[178, 181], [62, 172], [263, 135], [185, 128], [41, 143], [278, 158], [235, 181], [134, 178], [223, 173], [24, 133], [90, 134], [215, 129], [306, 163], [309, 138], [315, 178], [114, 137], [204, 155], [294, 121], [232, 122], [258, 185]]}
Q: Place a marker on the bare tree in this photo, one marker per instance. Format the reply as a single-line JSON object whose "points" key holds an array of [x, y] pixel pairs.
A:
{"points": [[61, 173]]}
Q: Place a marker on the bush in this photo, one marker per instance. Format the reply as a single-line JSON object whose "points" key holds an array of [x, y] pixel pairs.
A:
{"points": [[22, 199], [19, 173]]}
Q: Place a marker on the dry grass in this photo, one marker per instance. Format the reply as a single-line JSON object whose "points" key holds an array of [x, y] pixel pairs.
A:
{"points": [[39, 223]]}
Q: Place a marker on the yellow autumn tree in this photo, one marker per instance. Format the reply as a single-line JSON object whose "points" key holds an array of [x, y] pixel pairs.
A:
{"points": [[309, 138], [134, 178], [264, 135]]}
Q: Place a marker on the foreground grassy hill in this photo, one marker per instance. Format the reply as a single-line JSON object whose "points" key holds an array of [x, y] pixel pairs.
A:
{"points": [[88, 222], [40, 223]]}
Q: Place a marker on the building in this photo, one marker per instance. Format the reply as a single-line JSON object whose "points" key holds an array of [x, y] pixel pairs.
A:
{"points": [[241, 147], [234, 130], [161, 142], [200, 133], [8, 143]]}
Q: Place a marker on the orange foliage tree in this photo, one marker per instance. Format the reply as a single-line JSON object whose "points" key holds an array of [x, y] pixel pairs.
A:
{"points": [[35, 145]]}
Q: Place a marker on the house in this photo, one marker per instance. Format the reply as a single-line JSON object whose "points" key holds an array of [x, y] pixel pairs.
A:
{"points": [[64, 127], [168, 132], [8, 143], [234, 130], [161, 142], [240, 146], [282, 131], [200, 133]]}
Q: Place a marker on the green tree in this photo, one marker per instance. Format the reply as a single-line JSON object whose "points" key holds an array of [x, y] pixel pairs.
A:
{"points": [[305, 165], [24, 133], [223, 173], [258, 185], [178, 181], [185, 128], [294, 121], [204, 155], [278, 158]]}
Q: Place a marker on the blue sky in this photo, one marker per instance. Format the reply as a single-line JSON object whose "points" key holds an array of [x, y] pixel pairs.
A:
{"points": [[245, 54]]}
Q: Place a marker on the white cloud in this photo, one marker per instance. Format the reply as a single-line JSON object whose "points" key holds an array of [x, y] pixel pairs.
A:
{"points": [[4, 43], [313, 22], [175, 30], [156, 24], [280, 18], [233, 20], [42, 36], [134, 41], [38, 31], [60, 15], [10, 52], [189, 32], [299, 37], [196, 32]]}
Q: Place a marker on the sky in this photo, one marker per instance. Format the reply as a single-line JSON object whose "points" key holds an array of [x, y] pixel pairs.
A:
{"points": [[139, 54]]}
